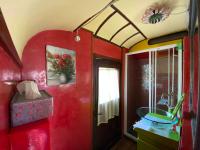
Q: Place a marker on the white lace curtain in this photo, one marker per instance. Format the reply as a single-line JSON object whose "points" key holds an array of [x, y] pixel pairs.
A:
{"points": [[108, 98]]}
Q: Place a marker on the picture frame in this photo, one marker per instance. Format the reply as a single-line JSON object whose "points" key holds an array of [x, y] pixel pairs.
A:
{"points": [[60, 65]]}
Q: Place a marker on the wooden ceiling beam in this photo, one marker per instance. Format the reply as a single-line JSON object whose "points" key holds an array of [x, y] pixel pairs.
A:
{"points": [[129, 38], [98, 37], [86, 21], [126, 18], [169, 37], [119, 30], [101, 25]]}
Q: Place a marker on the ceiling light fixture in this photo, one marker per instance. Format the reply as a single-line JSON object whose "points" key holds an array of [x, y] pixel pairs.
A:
{"points": [[156, 13], [77, 37]]}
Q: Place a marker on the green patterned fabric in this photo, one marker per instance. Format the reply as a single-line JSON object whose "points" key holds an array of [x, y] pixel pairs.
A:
{"points": [[178, 107]]}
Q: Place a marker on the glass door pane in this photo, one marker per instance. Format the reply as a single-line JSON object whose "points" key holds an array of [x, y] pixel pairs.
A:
{"points": [[166, 78]]}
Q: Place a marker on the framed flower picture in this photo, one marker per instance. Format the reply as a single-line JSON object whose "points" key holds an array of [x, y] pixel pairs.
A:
{"points": [[61, 65]]}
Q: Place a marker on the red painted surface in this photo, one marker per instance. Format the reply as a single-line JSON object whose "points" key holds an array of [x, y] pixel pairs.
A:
{"points": [[186, 73], [104, 48], [141, 56], [9, 70], [34, 136], [186, 137], [196, 73], [71, 124]]}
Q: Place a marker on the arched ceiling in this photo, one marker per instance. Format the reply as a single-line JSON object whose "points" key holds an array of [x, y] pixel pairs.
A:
{"points": [[125, 27], [25, 18]]}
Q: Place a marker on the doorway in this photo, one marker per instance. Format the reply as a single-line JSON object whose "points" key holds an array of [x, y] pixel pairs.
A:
{"points": [[106, 112]]}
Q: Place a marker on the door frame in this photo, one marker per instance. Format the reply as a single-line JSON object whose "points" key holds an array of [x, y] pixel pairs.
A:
{"points": [[161, 48], [106, 62]]}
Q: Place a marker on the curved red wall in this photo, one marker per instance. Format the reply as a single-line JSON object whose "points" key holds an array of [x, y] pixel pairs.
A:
{"points": [[71, 124]]}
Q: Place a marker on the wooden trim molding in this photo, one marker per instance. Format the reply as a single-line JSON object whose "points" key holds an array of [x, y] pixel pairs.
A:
{"points": [[129, 38], [169, 37], [82, 24], [93, 16], [101, 25], [123, 27], [126, 18], [116, 10], [98, 37]]}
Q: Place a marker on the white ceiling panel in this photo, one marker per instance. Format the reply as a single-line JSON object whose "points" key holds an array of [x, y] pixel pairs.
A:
{"points": [[132, 40], [95, 23], [112, 26], [124, 34]]}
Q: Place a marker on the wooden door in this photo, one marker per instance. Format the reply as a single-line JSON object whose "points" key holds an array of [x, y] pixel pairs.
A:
{"points": [[105, 134]]}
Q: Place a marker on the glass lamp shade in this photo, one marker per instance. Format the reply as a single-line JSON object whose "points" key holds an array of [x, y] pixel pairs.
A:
{"points": [[156, 14]]}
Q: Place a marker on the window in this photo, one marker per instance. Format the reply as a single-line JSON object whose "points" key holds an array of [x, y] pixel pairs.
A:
{"points": [[108, 94], [108, 85]]}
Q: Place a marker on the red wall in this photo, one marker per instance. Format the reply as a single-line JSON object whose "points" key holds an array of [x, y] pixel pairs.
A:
{"points": [[71, 124], [104, 48], [196, 74], [31, 136], [186, 137], [70, 127], [8, 71]]}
